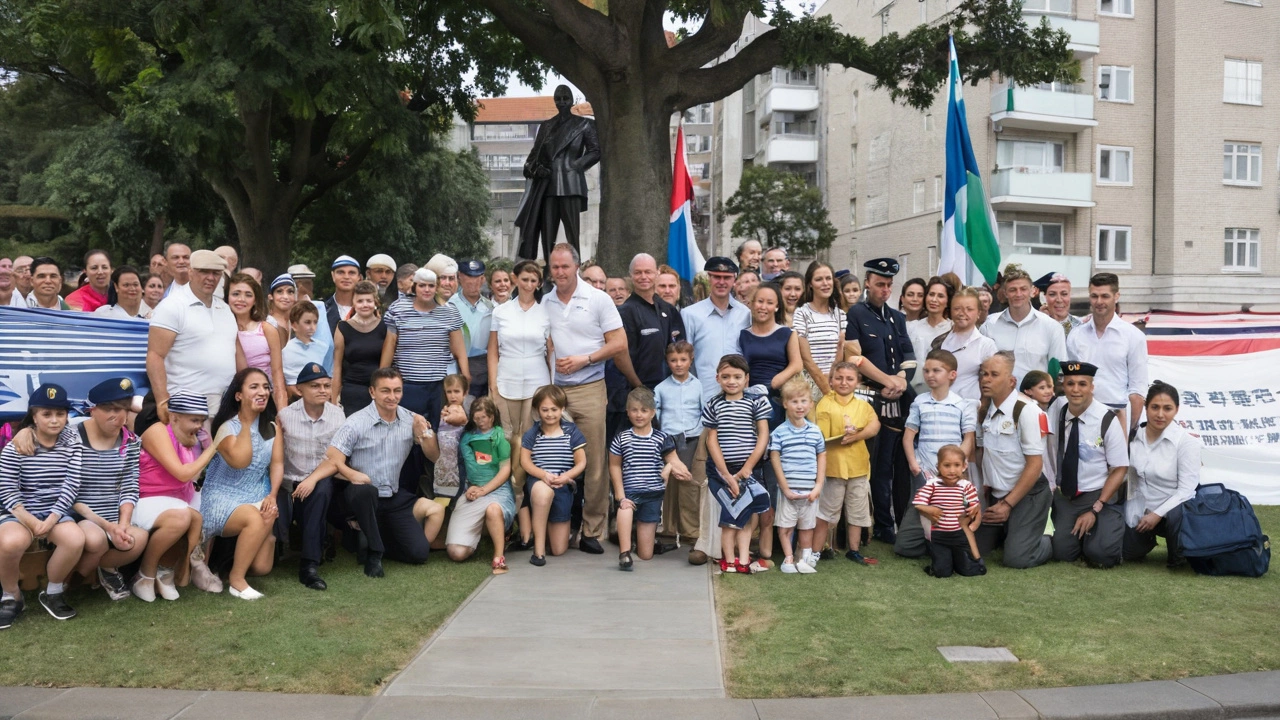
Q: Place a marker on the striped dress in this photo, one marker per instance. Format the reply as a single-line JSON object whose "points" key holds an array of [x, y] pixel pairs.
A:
{"points": [[422, 340], [42, 483], [108, 478], [226, 488]]}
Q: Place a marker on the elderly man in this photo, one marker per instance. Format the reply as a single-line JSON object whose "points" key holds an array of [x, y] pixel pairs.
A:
{"points": [[446, 271], [1055, 288], [177, 257], [345, 272], [1117, 348], [713, 326], [1011, 455], [586, 330], [617, 289], [1035, 339], [159, 269], [192, 342], [9, 294], [403, 285], [229, 256], [22, 276], [477, 316], [46, 284], [381, 271], [776, 262], [1090, 452], [749, 255]]}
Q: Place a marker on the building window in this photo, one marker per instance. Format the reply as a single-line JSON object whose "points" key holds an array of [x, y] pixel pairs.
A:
{"points": [[853, 110], [794, 123], [1031, 237], [1121, 8], [1241, 164], [853, 213], [503, 132], [700, 114], [1113, 246], [928, 122], [937, 191], [1240, 250], [917, 196], [1115, 165], [802, 76], [1029, 156], [1058, 7], [1242, 82], [884, 21], [1115, 84]]}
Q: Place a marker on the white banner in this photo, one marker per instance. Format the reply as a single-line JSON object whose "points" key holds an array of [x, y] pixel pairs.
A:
{"points": [[1233, 403]]}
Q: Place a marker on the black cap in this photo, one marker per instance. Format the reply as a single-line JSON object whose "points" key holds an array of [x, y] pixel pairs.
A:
{"points": [[111, 390], [888, 267], [49, 395], [1048, 279], [1075, 367], [311, 371], [841, 273], [471, 268], [720, 264]]}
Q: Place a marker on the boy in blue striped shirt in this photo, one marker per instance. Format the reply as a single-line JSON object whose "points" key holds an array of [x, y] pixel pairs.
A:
{"points": [[799, 456], [640, 460]]}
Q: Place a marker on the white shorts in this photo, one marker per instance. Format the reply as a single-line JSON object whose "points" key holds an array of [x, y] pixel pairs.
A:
{"points": [[466, 525], [853, 496], [800, 514], [148, 510]]}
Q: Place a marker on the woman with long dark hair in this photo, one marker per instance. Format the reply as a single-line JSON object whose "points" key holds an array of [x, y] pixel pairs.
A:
{"points": [[1164, 470], [257, 345], [911, 299], [791, 286], [238, 498], [124, 296], [935, 321]]}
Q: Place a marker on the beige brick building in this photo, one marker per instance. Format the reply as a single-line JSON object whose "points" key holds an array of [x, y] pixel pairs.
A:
{"points": [[1160, 166]]}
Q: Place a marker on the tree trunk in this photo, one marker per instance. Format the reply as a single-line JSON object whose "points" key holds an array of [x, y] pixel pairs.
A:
{"points": [[262, 226], [157, 236], [635, 175]]}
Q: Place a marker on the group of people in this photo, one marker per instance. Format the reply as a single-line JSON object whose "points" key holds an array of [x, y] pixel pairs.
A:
{"points": [[437, 405]]}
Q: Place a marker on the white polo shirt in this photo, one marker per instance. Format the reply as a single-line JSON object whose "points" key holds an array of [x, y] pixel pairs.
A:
{"points": [[203, 357], [1120, 355], [1006, 445], [1098, 455], [1034, 341], [578, 328], [971, 350]]}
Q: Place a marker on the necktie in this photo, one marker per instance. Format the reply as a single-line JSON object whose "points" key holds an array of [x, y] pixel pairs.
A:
{"points": [[1071, 461]]}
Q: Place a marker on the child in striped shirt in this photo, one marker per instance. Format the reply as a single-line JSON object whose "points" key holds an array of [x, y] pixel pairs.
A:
{"points": [[554, 454], [638, 461], [799, 456], [951, 503]]}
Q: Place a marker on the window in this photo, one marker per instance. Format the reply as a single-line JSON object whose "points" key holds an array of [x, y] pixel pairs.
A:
{"points": [[802, 76], [503, 132], [1241, 164], [1122, 8], [794, 123], [1029, 156], [917, 196], [937, 191], [884, 20], [1242, 82], [697, 143], [1240, 250], [928, 122], [853, 213], [853, 110], [1115, 84], [698, 114], [1062, 7], [1113, 246], [1031, 237], [1115, 165]]}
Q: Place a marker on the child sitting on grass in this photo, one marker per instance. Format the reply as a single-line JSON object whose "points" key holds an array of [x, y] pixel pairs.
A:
{"points": [[636, 459], [799, 456], [951, 503]]}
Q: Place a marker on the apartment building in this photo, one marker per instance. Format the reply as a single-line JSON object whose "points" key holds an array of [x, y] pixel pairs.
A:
{"points": [[1160, 166], [502, 137], [699, 143]]}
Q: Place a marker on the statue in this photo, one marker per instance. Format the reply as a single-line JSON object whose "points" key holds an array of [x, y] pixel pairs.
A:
{"points": [[556, 187]]}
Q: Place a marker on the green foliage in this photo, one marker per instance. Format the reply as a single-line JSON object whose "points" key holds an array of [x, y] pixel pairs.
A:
{"points": [[780, 209]]}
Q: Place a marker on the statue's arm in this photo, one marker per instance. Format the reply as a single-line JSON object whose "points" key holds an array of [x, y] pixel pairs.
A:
{"points": [[591, 145], [531, 168]]}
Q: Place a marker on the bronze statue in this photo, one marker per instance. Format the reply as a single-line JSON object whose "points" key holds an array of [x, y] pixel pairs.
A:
{"points": [[556, 188]]}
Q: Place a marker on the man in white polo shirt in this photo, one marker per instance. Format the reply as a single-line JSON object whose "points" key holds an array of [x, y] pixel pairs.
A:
{"points": [[1035, 339], [586, 330], [1117, 348], [192, 341]]}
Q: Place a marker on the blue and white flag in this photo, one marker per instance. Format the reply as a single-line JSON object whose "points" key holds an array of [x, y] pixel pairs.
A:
{"points": [[74, 350]]}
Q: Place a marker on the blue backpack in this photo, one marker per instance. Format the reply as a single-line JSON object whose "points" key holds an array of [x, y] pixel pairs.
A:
{"points": [[1221, 535]]}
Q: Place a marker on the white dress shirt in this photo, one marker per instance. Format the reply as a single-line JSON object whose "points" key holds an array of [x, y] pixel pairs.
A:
{"points": [[1163, 474], [1120, 355], [971, 350], [1098, 455], [1007, 445], [1034, 341], [922, 335]]}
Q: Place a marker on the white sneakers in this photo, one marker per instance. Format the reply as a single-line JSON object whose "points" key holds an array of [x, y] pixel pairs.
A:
{"points": [[247, 593], [804, 567]]}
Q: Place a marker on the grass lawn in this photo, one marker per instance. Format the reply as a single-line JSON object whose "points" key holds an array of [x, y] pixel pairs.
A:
{"points": [[345, 640], [852, 630]]}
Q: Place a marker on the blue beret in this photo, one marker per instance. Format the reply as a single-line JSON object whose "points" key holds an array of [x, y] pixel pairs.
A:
{"points": [[471, 268], [49, 395], [719, 264], [111, 390], [311, 371], [888, 267]]}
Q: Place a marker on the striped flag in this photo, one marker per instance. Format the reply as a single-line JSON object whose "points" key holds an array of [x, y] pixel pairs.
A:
{"points": [[683, 254], [969, 245]]}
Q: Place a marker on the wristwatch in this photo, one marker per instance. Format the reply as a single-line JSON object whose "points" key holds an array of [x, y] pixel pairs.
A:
{"points": [[1097, 507]]}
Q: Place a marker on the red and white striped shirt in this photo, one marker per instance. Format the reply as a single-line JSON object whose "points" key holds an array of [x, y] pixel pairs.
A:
{"points": [[952, 499]]}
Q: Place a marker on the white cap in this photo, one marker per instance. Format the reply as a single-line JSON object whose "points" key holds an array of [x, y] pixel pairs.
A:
{"points": [[424, 275], [381, 260], [301, 271], [442, 264]]}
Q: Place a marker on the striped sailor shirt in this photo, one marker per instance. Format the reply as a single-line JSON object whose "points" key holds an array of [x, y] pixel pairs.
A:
{"points": [[42, 483], [108, 478], [422, 340], [735, 424], [642, 459]]}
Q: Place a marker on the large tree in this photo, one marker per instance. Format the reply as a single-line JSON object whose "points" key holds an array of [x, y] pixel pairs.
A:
{"points": [[780, 209], [620, 58]]}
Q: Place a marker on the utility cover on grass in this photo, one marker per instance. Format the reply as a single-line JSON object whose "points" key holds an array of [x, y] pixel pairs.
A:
{"points": [[970, 653]]}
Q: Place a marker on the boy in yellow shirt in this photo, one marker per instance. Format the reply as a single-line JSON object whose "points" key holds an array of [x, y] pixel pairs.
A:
{"points": [[846, 422]]}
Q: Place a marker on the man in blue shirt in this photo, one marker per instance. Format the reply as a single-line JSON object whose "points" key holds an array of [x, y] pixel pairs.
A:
{"points": [[477, 315]]}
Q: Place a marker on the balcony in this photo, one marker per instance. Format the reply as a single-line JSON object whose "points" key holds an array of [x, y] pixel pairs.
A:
{"points": [[1037, 109], [789, 99], [1084, 33], [1077, 268], [1017, 189], [791, 149]]}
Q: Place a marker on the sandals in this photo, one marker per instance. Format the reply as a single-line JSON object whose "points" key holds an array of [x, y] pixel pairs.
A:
{"points": [[500, 565]]}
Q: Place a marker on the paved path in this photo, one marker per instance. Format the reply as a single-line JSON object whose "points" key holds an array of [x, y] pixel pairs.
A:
{"points": [[578, 627]]}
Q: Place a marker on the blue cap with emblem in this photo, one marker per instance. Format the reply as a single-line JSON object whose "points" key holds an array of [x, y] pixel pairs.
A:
{"points": [[471, 268], [1075, 367], [720, 264], [112, 390], [1048, 279], [311, 371], [49, 395], [887, 267]]}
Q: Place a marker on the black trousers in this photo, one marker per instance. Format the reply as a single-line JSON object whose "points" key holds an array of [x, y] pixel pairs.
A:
{"points": [[556, 210], [312, 515], [1137, 545], [388, 523], [950, 552], [417, 472], [890, 480]]}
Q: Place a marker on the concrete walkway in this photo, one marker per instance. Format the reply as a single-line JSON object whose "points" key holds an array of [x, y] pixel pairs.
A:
{"points": [[578, 627], [1251, 695]]}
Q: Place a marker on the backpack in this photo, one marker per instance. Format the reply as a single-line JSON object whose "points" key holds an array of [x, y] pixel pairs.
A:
{"points": [[1220, 534], [986, 406]]}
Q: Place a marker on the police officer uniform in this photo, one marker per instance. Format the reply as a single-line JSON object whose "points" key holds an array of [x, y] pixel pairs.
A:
{"points": [[881, 333]]}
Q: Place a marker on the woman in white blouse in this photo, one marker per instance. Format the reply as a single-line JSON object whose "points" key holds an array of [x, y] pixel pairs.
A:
{"points": [[519, 360], [1164, 470], [820, 321], [935, 321]]}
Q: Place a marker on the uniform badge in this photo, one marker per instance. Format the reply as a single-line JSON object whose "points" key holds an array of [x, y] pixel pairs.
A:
{"points": [[125, 384], [52, 393], [1007, 425]]}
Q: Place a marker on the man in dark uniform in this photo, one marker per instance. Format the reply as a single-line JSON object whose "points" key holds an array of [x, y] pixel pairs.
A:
{"points": [[877, 342]]}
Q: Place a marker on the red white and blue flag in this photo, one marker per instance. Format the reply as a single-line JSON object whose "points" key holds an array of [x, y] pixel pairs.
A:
{"points": [[683, 254]]}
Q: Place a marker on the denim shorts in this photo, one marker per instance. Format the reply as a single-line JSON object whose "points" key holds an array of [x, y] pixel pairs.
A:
{"points": [[561, 504], [648, 506]]}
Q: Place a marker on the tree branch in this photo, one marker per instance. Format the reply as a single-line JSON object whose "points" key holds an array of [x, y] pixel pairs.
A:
{"points": [[540, 34], [594, 32], [710, 42], [325, 180], [703, 85], [257, 143]]}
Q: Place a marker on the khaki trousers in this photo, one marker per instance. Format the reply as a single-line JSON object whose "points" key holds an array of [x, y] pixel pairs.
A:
{"points": [[682, 500], [517, 418], [709, 513], [587, 405]]}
